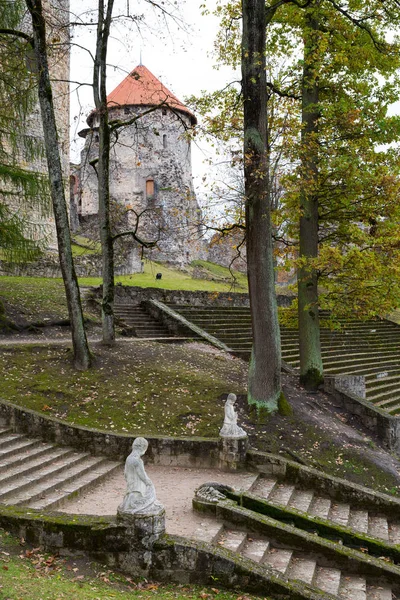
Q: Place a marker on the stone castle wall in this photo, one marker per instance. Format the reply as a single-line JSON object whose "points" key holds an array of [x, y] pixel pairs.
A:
{"points": [[57, 21], [150, 180], [229, 250]]}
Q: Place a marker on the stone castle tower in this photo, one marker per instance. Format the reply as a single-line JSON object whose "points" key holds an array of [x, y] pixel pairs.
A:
{"points": [[150, 169]]}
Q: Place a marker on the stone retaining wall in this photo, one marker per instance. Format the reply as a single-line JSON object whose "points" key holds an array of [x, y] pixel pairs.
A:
{"points": [[86, 265], [171, 558], [136, 295], [386, 427], [168, 451]]}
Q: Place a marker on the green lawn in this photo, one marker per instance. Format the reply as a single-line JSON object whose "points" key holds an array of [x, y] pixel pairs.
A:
{"points": [[138, 387], [173, 279]]}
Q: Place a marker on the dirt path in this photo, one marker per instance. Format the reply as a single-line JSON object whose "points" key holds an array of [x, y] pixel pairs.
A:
{"points": [[175, 488]]}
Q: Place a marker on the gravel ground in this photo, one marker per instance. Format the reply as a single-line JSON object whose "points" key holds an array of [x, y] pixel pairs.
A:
{"points": [[175, 488]]}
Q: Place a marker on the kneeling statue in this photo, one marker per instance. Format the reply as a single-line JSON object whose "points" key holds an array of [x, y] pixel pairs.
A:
{"points": [[230, 427], [140, 496]]}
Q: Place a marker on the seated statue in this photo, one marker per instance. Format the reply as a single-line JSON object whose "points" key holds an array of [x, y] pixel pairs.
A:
{"points": [[230, 427], [140, 496]]}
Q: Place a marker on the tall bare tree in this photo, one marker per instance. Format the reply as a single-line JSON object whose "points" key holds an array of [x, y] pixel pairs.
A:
{"points": [[82, 357]]}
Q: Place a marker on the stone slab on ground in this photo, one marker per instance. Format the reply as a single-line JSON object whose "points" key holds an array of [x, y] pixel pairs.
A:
{"points": [[175, 488]]}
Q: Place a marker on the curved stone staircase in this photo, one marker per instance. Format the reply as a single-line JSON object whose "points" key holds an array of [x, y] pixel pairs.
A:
{"points": [[297, 525], [40, 475], [368, 348]]}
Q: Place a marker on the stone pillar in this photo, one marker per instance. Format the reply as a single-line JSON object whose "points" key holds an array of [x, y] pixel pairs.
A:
{"points": [[142, 530], [232, 452]]}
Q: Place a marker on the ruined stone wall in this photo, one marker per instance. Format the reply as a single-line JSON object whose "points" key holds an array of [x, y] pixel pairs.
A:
{"points": [[229, 250], [57, 19], [150, 179]]}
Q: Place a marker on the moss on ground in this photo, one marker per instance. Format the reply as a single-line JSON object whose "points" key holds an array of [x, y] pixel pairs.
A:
{"points": [[139, 387]]}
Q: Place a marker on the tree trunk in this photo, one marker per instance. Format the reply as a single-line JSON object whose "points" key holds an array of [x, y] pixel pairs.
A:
{"points": [[265, 363], [103, 170], [311, 368], [82, 358]]}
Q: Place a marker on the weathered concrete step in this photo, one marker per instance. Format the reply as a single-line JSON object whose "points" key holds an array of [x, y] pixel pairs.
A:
{"points": [[327, 579], [41, 488], [354, 587], [339, 513], [20, 445], [378, 592], [32, 464], [75, 487], [208, 531], [232, 539], [10, 437], [28, 480], [278, 558], [4, 431], [255, 548], [281, 494], [385, 398], [19, 458], [378, 527], [302, 568]]}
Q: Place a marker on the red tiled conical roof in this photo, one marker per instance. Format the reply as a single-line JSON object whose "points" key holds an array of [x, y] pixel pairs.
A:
{"points": [[141, 87]]}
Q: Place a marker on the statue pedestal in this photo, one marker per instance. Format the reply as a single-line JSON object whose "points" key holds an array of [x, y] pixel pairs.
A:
{"points": [[232, 452], [143, 530]]}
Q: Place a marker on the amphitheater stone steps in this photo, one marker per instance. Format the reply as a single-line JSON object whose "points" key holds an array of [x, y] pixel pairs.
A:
{"points": [[369, 348], [41, 475], [137, 322]]}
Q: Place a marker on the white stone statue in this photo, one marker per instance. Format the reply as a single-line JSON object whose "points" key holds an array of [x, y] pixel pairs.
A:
{"points": [[140, 496], [230, 427]]}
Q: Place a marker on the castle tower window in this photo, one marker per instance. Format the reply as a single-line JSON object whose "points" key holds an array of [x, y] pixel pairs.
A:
{"points": [[164, 111], [150, 189], [164, 140]]}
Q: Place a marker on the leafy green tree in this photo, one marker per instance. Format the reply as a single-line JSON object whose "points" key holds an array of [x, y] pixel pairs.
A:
{"points": [[339, 205]]}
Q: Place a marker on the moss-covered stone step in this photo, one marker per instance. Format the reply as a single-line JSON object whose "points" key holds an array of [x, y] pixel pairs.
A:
{"points": [[285, 551], [382, 524]]}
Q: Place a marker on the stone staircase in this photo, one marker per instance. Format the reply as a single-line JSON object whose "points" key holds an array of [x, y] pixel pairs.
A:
{"points": [[277, 538], [137, 322], [369, 348], [40, 475], [306, 567]]}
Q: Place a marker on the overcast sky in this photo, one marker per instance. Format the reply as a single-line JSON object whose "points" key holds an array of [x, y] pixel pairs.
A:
{"points": [[178, 53]]}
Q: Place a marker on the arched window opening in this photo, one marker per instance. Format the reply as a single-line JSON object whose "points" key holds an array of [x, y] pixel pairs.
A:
{"points": [[150, 188], [164, 140], [164, 111]]}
